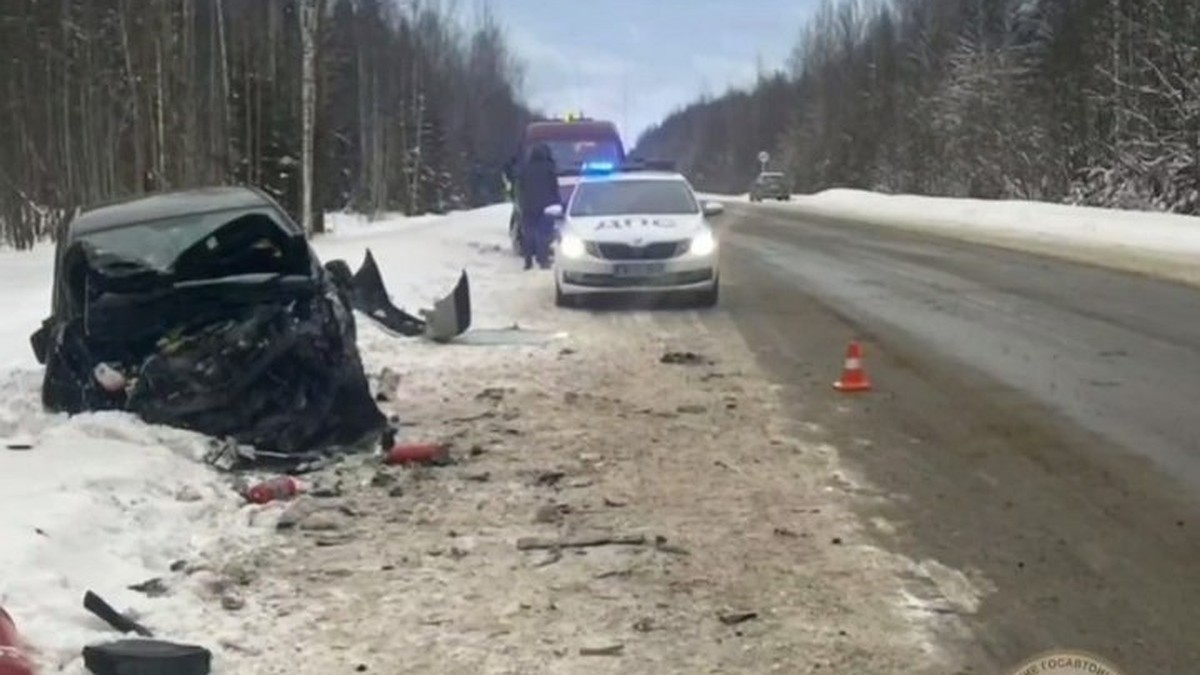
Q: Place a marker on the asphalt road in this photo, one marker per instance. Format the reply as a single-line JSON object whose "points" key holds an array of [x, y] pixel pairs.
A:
{"points": [[1034, 421]]}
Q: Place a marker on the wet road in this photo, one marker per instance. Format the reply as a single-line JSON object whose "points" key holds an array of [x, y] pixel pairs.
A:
{"points": [[1034, 421]]}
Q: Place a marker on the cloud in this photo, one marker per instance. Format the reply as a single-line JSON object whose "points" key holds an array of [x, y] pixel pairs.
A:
{"points": [[636, 61]]}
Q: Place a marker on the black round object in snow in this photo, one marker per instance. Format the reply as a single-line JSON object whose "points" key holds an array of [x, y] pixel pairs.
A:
{"points": [[147, 657]]}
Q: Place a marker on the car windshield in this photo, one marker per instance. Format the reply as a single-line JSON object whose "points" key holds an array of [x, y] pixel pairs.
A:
{"points": [[771, 178], [572, 154], [159, 243], [628, 197]]}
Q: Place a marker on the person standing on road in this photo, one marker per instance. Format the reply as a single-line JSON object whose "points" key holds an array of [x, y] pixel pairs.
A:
{"points": [[538, 188]]}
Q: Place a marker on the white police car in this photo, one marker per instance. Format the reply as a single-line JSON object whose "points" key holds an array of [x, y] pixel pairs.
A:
{"points": [[635, 231]]}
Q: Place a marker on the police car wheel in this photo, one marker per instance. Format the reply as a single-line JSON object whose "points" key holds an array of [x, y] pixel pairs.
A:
{"points": [[710, 297], [561, 299]]}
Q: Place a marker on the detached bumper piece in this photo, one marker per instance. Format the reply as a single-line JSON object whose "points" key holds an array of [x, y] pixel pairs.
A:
{"points": [[366, 293]]}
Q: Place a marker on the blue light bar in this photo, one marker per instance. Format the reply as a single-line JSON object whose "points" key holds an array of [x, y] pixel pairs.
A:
{"points": [[594, 168]]}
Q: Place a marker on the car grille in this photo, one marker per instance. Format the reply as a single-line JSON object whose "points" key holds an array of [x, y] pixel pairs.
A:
{"points": [[659, 281], [656, 251]]}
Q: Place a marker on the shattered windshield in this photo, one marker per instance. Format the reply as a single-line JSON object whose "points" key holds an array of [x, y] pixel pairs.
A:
{"points": [[159, 243], [626, 197]]}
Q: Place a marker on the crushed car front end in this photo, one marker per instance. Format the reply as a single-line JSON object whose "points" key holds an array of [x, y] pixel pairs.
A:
{"points": [[238, 333], [210, 311]]}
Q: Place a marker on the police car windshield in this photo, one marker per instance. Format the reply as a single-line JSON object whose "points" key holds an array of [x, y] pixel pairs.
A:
{"points": [[633, 197]]}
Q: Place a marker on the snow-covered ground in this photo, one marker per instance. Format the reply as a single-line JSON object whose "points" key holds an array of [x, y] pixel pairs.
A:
{"points": [[102, 501], [1160, 243], [579, 432]]}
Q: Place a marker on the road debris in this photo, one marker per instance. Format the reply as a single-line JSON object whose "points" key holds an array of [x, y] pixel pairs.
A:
{"points": [[735, 618], [644, 625], [684, 358], [537, 543], [122, 623], [615, 649], [437, 454], [550, 478], [232, 602], [551, 513], [152, 588], [147, 657], [660, 544], [386, 384], [273, 489]]}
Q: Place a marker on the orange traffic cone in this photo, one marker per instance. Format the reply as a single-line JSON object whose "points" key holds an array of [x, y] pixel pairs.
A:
{"points": [[854, 377]]}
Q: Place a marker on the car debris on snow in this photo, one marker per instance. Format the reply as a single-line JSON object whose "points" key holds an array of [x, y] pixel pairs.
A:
{"points": [[147, 657], [735, 618], [606, 650], [122, 623], [537, 543], [208, 310], [684, 358]]}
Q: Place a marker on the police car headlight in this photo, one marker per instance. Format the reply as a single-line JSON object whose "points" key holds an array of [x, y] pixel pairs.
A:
{"points": [[571, 246], [703, 244]]}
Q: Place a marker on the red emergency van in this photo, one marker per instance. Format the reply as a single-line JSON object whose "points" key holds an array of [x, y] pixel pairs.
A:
{"points": [[573, 142]]}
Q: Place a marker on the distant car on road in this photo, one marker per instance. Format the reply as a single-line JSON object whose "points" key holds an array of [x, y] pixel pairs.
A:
{"points": [[770, 185], [635, 231]]}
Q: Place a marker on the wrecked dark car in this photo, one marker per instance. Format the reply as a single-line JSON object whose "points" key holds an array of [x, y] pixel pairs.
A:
{"points": [[208, 310]]}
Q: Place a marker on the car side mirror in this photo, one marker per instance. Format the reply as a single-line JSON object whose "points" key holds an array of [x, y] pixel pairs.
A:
{"points": [[555, 211], [713, 208]]}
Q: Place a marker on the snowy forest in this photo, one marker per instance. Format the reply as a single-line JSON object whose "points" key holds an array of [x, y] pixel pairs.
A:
{"points": [[1084, 101], [363, 104]]}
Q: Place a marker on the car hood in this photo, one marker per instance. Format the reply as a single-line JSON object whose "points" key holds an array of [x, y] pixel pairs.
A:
{"points": [[647, 228]]}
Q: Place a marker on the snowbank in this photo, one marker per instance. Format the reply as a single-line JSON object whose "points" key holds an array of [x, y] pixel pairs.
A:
{"points": [[1162, 244], [1143, 231], [26, 296], [101, 502]]}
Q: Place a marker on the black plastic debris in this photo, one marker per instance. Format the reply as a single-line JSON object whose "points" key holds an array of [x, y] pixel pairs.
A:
{"points": [[147, 657], [98, 606]]}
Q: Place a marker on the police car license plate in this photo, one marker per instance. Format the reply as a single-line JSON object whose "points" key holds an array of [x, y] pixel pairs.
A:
{"points": [[638, 269]]}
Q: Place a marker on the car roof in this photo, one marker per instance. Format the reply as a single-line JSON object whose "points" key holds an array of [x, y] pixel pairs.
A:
{"points": [[625, 176], [771, 174], [560, 130], [169, 205]]}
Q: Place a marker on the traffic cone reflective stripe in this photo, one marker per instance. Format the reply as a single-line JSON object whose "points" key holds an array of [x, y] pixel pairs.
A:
{"points": [[854, 377]]}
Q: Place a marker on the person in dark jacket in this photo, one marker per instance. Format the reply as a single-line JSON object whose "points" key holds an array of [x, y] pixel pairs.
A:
{"points": [[537, 189]]}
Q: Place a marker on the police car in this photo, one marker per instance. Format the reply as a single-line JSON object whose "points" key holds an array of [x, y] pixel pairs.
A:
{"points": [[635, 230]]}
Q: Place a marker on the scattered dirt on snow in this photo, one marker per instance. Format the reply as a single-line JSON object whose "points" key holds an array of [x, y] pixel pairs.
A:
{"points": [[752, 562]]}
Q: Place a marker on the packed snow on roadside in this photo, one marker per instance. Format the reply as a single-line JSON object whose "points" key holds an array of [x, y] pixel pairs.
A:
{"points": [[1148, 233], [103, 501]]}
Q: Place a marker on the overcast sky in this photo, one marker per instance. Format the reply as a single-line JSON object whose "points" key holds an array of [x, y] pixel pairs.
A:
{"points": [[634, 61]]}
